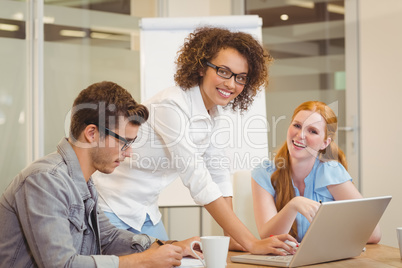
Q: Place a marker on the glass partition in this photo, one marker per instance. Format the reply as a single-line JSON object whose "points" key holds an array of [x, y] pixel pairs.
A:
{"points": [[13, 90], [307, 41], [85, 43]]}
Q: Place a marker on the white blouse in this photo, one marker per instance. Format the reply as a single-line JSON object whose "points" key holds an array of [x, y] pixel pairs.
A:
{"points": [[177, 141]]}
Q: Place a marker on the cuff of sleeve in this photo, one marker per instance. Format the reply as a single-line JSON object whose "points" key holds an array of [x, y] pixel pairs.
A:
{"points": [[226, 188], [106, 261], [141, 242], [208, 195], [153, 239]]}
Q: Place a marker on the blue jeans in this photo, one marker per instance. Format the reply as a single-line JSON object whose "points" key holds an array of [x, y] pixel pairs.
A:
{"points": [[157, 230]]}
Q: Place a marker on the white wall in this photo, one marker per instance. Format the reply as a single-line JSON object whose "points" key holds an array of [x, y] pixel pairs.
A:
{"points": [[380, 99]]}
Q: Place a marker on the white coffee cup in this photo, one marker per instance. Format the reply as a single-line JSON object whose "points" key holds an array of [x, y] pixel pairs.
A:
{"points": [[399, 236], [215, 250]]}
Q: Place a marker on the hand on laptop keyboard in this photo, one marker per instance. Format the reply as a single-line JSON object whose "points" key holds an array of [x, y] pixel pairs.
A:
{"points": [[292, 244], [284, 251]]}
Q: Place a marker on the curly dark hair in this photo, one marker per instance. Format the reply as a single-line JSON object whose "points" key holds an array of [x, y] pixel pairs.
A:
{"points": [[102, 103], [205, 43]]}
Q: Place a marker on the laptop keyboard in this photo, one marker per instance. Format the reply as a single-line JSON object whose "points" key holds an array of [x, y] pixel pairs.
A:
{"points": [[286, 258], [275, 260], [270, 258], [280, 258]]}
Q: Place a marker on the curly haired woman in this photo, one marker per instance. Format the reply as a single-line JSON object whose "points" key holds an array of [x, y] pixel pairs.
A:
{"points": [[215, 68]]}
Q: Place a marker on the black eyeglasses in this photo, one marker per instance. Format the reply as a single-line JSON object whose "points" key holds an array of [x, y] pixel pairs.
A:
{"points": [[242, 79], [117, 136]]}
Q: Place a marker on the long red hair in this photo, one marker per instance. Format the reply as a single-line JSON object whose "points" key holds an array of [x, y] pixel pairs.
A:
{"points": [[281, 179]]}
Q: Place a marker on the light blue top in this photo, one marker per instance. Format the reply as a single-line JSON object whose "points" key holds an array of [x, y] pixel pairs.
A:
{"points": [[322, 175]]}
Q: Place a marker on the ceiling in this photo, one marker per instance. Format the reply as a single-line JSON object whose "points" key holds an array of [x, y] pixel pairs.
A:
{"points": [[297, 11]]}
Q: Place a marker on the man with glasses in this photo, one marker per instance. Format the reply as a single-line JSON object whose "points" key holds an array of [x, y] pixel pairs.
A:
{"points": [[49, 214]]}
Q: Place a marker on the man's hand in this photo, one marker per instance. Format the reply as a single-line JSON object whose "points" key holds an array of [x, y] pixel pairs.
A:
{"points": [[164, 256], [186, 249]]}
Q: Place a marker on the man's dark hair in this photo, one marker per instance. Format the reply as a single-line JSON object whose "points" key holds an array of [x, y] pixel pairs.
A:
{"points": [[102, 104]]}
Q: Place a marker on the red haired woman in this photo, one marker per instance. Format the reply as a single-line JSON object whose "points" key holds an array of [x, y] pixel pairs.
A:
{"points": [[308, 168]]}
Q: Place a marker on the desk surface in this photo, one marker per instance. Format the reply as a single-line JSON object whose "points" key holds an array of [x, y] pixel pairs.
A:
{"points": [[376, 256]]}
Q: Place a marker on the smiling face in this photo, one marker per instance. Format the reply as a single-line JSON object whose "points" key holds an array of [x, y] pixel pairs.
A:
{"points": [[108, 155], [307, 135], [216, 90]]}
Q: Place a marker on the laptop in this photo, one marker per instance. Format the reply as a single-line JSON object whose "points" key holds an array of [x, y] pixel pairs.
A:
{"points": [[339, 230]]}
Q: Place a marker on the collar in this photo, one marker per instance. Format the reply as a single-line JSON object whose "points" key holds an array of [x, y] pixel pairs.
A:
{"points": [[198, 106], [73, 166], [311, 175]]}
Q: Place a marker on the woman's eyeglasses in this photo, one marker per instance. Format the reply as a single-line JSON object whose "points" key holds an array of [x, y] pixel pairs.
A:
{"points": [[242, 79]]}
